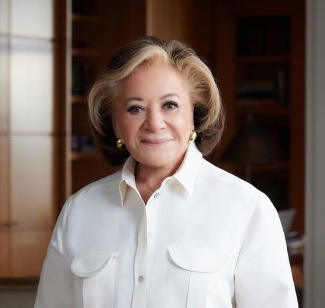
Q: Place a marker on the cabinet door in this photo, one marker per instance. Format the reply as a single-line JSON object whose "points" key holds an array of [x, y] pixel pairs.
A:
{"points": [[32, 181], [27, 250], [32, 18], [31, 86], [4, 73], [27, 135], [4, 253], [4, 207], [3, 182]]}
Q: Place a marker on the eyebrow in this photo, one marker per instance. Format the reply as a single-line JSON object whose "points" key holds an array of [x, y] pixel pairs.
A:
{"points": [[169, 95], [139, 99], [133, 99]]}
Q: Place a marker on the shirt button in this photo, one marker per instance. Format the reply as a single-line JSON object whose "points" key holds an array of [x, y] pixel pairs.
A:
{"points": [[140, 279], [149, 235], [156, 195]]}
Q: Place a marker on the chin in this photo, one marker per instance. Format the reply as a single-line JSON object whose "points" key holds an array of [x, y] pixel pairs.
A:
{"points": [[158, 160]]}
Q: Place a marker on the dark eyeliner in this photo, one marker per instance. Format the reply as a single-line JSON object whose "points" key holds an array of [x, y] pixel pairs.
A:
{"points": [[134, 109], [171, 103]]}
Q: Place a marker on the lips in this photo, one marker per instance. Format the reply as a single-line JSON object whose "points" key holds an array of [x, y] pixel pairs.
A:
{"points": [[154, 141]]}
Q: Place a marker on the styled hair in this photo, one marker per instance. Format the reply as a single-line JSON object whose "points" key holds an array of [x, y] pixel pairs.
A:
{"points": [[151, 51]]}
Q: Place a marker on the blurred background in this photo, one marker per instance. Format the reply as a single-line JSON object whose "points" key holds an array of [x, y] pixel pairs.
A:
{"points": [[51, 51]]}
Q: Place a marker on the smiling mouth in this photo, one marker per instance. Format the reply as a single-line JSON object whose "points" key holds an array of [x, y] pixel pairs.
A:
{"points": [[154, 142]]}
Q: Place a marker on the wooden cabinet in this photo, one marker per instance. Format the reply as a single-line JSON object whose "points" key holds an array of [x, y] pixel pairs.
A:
{"points": [[85, 66], [88, 48], [259, 68], [28, 136]]}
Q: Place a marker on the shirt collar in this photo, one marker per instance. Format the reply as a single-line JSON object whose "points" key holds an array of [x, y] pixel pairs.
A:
{"points": [[189, 168], [185, 175], [127, 177]]}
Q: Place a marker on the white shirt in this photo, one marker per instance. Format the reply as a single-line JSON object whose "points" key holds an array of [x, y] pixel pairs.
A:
{"points": [[204, 239]]}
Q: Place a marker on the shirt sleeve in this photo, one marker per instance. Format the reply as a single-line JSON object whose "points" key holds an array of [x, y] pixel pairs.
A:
{"points": [[263, 275], [56, 284]]}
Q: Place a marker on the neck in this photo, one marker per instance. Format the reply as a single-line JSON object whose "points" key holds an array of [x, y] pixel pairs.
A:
{"points": [[152, 176], [151, 179]]}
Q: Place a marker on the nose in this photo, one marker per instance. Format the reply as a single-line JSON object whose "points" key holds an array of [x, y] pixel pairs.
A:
{"points": [[154, 120]]}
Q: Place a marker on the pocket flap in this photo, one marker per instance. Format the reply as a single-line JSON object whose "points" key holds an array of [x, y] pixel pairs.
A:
{"points": [[198, 260], [89, 266]]}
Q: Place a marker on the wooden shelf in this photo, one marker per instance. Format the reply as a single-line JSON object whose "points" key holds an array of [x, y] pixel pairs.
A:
{"points": [[263, 59], [271, 167], [80, 52], [83, 155], [84, 18], [79, 99], [275, 111], [260, 73]]}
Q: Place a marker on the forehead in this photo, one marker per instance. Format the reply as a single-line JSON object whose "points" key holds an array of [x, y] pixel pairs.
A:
{"points": [[163, 77]]}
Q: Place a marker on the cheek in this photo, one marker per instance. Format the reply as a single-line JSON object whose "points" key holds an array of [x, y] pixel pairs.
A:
{"points": [[188, 119], [183, 126], [128, 128]]}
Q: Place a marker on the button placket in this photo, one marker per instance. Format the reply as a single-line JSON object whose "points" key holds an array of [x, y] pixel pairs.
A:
{"points": [[140, 266]]}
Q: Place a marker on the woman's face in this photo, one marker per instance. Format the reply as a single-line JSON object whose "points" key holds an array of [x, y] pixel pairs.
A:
{"points": [[154, 116]]}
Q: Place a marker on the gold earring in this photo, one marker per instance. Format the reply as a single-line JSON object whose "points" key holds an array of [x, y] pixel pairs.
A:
{"points": [[119, 142], [192, 136]]}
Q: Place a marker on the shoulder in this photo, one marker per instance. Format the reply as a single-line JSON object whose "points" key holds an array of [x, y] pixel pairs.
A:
{"points": [[92, 206], [235, 200], [229, 192], [217, 176], [104, 187]]}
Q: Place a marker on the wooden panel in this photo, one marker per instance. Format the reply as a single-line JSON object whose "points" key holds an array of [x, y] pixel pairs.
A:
{"points": [[86, 171], [31, 86], [257, 7], [183, 20], [4, 50], [225, 70], [4, 255], [161, 19], [27, 143], [131, 24], [28, 251], [32, 18], [32, 181], [289, 126], [297, 179], [3, 181]]}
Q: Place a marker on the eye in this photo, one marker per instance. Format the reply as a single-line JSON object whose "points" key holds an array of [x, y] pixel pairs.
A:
{"points": [[170, 105], [135, 109]]}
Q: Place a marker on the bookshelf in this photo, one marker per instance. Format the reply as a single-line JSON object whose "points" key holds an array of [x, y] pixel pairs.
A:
{"points": [[86, 57], [263, 102], [259, 68]]}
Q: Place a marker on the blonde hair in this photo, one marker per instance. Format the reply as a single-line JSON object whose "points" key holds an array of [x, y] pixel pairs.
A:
{"points": [[151, 51]]}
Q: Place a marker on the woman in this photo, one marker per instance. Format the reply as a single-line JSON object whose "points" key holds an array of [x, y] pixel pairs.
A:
{"points": [[169, 229]]}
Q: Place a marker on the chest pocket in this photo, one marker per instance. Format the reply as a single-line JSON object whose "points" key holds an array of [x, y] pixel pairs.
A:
{"points": [[190, 271], [96, 279]]}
